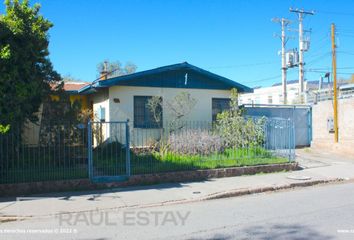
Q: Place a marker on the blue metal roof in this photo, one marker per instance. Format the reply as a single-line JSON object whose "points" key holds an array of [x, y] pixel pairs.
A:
{"points": [[182, 75]]}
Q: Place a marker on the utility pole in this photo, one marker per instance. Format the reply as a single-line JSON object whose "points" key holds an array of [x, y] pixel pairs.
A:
{"points": [[301, 13], [284, 22], [335, 100]]}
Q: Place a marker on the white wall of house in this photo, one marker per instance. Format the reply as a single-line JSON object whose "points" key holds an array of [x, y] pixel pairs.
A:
{"points": [[122, 108], [100, 100], [125, 108]]}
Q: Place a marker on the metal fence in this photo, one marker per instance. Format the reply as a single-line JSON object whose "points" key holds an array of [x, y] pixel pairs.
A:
{"points": [[327, 94], [188, 145], [301, 115], [58, 152], [112, 151]]}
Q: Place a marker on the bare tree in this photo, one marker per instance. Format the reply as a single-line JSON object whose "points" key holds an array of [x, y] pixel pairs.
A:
{"points": [[179, 107], [155, 106], [116, 68], [182, 104]]}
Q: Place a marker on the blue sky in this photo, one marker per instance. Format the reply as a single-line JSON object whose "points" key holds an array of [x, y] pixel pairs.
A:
{"points": [[233, 38]]}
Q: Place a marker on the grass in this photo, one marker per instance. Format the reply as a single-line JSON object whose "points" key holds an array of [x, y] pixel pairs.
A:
{"points": [[110, 160], [42, 174], [150, 162]]}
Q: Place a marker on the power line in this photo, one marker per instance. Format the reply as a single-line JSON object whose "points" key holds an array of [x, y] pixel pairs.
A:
{"points": [[324, 68], [345, 52], [243, 65], [266, 79], [336, 13], [321, 57], [319, 48], [263, 79], [318, 71]]}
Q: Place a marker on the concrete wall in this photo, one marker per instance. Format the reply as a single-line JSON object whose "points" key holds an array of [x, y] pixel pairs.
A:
{"points": [[321, 136]]}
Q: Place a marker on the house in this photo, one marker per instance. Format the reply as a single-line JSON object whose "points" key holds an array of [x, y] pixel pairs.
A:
{"points": [[72, 88], [126, 97]]}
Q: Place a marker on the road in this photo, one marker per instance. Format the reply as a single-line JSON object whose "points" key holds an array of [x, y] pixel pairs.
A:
{"points": [[321, 212]]}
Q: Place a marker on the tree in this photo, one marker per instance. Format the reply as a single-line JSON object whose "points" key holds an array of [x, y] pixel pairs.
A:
{"points": [[179, 107], [182, 104], [69, 78], [26, 73], [115, 69], [155, 106]]}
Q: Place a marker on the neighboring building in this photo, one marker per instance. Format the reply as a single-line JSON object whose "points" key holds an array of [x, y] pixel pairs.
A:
{"points": [[32, 131], [72, 88], [273, 94]]}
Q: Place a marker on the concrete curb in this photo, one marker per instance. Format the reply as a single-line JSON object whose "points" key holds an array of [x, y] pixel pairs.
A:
{"points": [[237, 193]]}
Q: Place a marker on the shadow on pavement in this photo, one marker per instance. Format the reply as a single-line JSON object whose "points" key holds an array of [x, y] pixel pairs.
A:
{"points": [[272, 232]]}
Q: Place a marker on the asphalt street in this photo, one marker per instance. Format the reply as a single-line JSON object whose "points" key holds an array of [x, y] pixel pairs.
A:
{"points": [[319, 212]]}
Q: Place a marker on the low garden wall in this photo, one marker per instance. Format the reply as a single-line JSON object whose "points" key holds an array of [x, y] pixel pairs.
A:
{"points": [[21, 189]]}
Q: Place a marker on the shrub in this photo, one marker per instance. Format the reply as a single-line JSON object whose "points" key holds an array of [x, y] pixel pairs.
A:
{"points": [[193, 142], [238, 131], [4, 128]]}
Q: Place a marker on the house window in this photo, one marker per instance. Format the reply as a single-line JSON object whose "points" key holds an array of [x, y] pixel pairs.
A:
{"points": [[219, 105], [143, 116]]}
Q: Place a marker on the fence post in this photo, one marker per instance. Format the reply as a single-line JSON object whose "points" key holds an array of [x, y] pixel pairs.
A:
{"points": [[292, 143], [309, 113], [89, 149], [290, 136], [127, 145]]}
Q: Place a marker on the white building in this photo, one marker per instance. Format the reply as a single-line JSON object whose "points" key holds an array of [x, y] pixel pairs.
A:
{"points": [[273, 94]]}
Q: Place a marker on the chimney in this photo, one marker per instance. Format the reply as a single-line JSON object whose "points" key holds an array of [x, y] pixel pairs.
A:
{"points": [[104, 72]]}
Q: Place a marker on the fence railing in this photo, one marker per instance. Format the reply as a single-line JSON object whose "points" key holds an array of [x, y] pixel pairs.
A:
{"points": [[327, 94], [191, 145], [63, 151], [55, 151]]}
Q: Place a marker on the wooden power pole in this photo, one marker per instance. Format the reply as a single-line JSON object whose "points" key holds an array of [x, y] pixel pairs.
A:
{"points": [[335, 100]]}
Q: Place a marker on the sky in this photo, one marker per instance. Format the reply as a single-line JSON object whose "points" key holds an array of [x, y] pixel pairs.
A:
{"points": [[232, 38]]}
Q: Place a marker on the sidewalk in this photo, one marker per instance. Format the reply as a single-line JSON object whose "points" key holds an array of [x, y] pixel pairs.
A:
{"points": [[318, 167]]}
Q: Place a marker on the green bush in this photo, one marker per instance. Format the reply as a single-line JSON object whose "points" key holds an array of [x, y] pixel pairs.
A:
{"points": [[238, 131]]}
